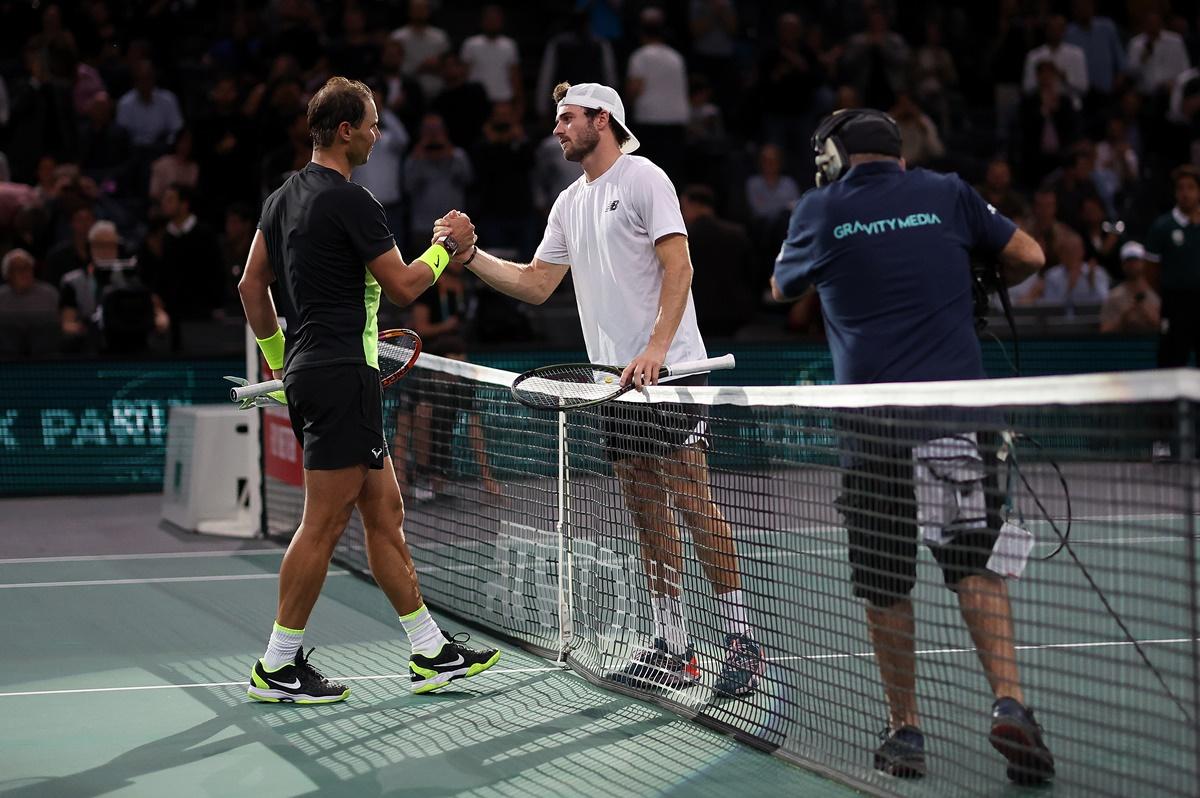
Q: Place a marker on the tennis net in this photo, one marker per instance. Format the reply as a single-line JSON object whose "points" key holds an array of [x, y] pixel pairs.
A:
{"points": [[520, 521]]}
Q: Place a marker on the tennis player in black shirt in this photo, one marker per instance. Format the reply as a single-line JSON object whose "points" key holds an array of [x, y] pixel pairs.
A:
{"points": [[327, 240]]}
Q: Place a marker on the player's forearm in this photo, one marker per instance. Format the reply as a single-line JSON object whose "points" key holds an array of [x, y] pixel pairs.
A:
{"points": [[672, 301], [259, 307], [518, 280]]}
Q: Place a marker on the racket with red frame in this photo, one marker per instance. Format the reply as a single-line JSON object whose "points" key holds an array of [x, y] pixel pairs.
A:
{"points": [[398, 351]]}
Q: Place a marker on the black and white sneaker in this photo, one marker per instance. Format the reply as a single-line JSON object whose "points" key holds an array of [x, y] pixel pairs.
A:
{"points": [[294, 683], [659, 668], [454, 661]]}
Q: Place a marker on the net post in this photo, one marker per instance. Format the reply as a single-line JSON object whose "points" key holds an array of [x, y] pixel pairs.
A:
{"points": [[257, 508], [1187, 455], [562, 526]]}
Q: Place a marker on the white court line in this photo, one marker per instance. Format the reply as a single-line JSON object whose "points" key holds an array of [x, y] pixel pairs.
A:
{"points": [[150, 580], [935, 651], [137, 688], [175, 555]]}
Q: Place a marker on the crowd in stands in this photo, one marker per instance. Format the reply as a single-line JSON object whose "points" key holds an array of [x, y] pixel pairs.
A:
{"points": [[139, 139]]}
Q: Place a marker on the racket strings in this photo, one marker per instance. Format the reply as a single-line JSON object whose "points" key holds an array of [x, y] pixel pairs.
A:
{"points": [[397, 354], [567, 386]]}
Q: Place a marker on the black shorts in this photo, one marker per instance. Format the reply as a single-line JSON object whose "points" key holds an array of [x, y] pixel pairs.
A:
{"points": [[337, 415], [879, 505], [652, 429]]}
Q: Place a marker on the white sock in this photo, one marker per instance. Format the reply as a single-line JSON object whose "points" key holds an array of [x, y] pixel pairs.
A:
{"points": [[423, 633], [669, 622], [282, 647], [734, 613]]}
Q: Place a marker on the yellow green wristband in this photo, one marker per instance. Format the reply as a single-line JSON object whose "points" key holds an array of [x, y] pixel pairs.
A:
{"points": [[436, 258], [272, 349]]}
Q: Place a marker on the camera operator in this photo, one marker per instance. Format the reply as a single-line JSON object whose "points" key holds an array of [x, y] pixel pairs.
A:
{"points": [[888, 252]]}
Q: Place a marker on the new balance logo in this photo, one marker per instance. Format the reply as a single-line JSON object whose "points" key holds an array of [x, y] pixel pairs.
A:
{"points": [[612, 206], [376, 452]]}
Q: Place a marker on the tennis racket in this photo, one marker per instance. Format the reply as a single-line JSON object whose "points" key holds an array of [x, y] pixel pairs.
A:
{"points": [[398, 351], [572, 386]]}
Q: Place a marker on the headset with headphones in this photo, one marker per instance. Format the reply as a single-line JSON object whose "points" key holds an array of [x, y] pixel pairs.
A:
{"points": [[832, 155]]}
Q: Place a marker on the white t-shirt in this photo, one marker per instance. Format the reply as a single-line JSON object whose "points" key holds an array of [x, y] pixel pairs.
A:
{"points": [[605, 230], [490, 61], [664, 97]]}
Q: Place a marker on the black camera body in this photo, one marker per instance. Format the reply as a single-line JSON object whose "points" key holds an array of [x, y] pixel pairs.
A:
{"points": [[985, 281]]}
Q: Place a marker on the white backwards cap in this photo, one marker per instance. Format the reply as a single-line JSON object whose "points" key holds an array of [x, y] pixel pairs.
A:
{"points": [[1132, 249], [604, 98]]}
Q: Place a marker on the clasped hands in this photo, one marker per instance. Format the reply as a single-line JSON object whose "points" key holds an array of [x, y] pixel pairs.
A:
{"points": [[459, 226]]}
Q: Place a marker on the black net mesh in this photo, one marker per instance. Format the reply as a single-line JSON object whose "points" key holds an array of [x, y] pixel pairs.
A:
{"points": [[821, 508]]}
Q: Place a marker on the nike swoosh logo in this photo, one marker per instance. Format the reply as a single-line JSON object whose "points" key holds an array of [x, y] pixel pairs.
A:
{"points": [[289, 685], [456, 661]]}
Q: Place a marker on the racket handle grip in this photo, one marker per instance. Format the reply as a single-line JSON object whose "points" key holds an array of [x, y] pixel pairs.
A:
{"points": [[257, 389], [699, 366]]}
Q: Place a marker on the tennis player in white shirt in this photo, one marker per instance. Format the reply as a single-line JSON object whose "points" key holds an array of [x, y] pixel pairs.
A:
{"points": [[620, 229]]}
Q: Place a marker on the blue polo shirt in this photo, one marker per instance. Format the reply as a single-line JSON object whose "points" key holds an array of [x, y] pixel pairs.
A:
{"points": [[889, 253]]}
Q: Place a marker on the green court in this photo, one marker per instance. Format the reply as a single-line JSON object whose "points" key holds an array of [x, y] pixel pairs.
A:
{"points": [[123, 672]]}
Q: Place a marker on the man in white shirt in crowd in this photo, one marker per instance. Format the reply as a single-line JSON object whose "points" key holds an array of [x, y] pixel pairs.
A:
{"points": [[620, 229], [424, 45], [656, 82], [1069, 59], [1156, 57], [149, 114], [494, 62]]}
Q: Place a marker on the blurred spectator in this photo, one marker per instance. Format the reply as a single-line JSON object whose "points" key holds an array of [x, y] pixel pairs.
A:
{"points": [[1049, 124], [149, 114], [921, 143], [463, 104], [706, 148], [789, 74], [1006, 63], [286, 160], [1044, 224], [42, 118], [877, 61], [1073, 282], [494, 61], [80, 289], [224, 146], [770, 193], [402, 94], [355, 53], [551, 174], [424, 45], [656, 85], [177, 166], [998, 190], [1101, 237], [503, 159], [1156, 57], [1074, 182], [436, 177], [1173, 242], [1184, 104], [71, 253], [240, 223], [1117, 165], [28, 309], [1133, 306], [383, 173], [575, 56], [713, 25], [724, 281], [1066, 57], [192, 280], [935, 77], [1100, 42], [104, 148]]}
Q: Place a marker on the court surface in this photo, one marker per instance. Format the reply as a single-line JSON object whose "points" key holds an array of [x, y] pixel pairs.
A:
{"points": [[124, 658]]}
